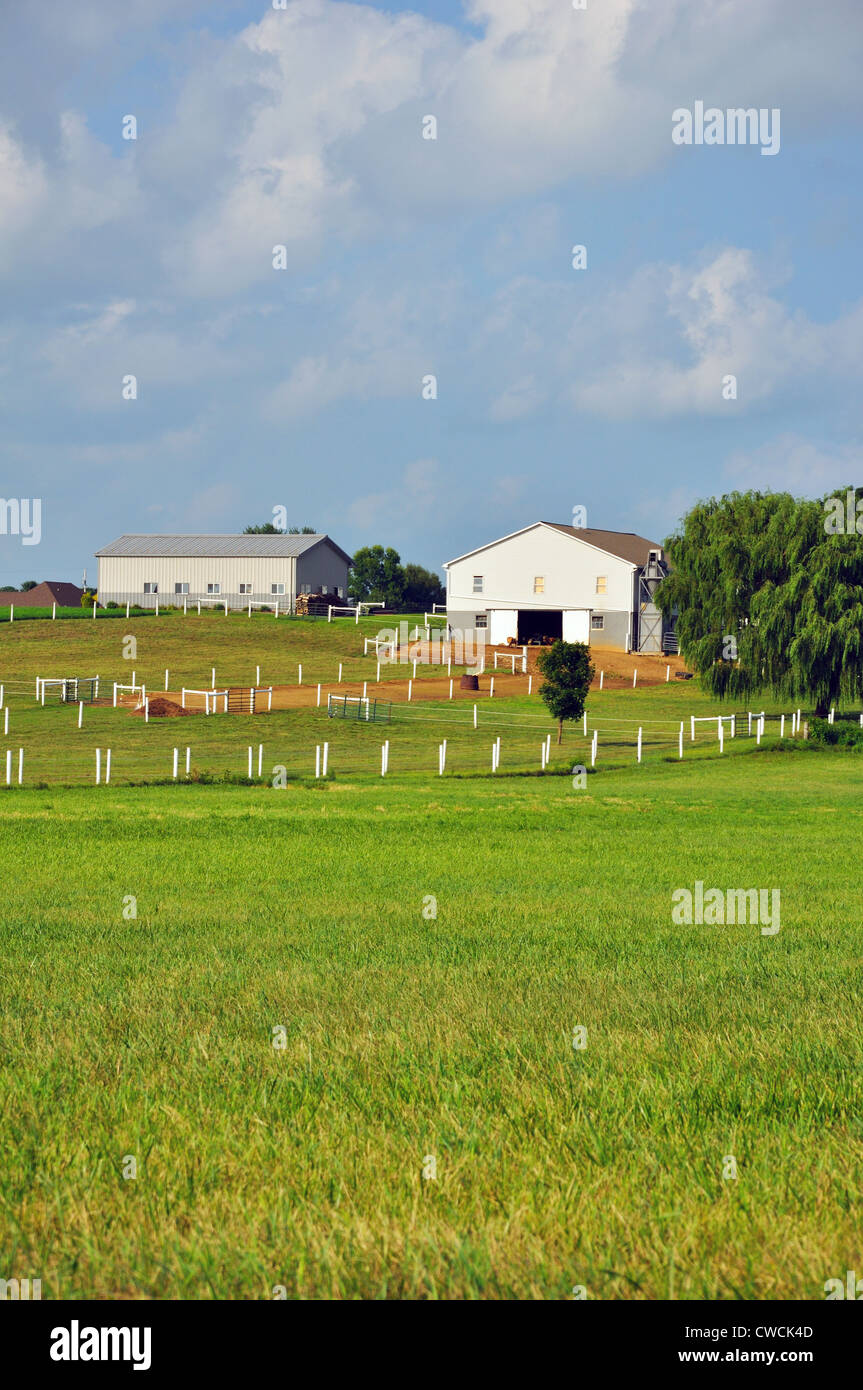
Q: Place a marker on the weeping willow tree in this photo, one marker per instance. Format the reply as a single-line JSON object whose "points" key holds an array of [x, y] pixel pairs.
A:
{"points": [[769, 595]]}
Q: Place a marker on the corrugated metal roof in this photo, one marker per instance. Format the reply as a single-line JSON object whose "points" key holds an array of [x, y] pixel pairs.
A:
{"points": [[267, 547]]}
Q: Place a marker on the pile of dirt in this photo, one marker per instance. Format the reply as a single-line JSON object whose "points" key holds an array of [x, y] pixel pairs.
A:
{"points": [[160, 708]]}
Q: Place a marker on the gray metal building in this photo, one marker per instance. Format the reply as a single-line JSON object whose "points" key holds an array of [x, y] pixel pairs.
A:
{"points": [[237, 569]]}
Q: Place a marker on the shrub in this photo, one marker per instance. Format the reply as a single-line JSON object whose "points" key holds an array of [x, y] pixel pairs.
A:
{"points": [[844, 733]]}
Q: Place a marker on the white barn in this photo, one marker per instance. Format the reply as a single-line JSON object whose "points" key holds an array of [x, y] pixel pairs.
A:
{"points": [[552, 580], [233, 569]]}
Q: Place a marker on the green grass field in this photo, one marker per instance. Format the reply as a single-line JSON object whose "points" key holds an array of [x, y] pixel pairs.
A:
{"points": [[412, 1037]]}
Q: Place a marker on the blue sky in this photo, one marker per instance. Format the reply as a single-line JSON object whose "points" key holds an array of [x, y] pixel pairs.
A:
{"points": [[302, 387]]}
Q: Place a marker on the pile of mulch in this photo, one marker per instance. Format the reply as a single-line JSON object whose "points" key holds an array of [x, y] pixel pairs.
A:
{"points": [[160, 708]]}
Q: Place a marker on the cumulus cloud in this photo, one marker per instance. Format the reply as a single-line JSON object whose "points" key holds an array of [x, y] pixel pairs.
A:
{"points": [[304, 129]]}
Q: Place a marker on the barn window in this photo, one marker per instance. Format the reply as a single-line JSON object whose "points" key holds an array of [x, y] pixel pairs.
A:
{"points": [[214, 588], [245, 588], [597, 622], [481, 620], [151, 588], [181, 588], [277, 588], [602, 583], [477, 583], [539, 584]]}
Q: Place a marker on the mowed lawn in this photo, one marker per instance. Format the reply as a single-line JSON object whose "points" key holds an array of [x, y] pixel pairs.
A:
{"points": [[411, 1037]]}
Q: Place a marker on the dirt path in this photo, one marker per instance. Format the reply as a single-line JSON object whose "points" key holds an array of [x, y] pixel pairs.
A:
{"points": [[616, 666]]}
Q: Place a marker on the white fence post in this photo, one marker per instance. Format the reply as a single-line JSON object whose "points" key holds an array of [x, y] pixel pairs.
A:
{"points": [[529, 684], [319, 692], [410, 689], [325, 760], [261, 759], [601, 678], [250, 761], [300, 674], [474, 716], [340, 673], [782, 726], [188, 761], [639, 744], [491, 688], [80, 713], [692, 728], [21, 765], [667, 674], [176, 762], [680, 753], [634, 677], [721, 738], [9, 767], [98, 766], [594, 746], [450, 689]]}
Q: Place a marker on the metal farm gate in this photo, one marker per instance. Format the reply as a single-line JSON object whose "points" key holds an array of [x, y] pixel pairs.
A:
{"points": [[245, 699]]}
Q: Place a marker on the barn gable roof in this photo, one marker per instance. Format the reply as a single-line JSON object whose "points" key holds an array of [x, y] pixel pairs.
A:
{"points": [[625, 545]]}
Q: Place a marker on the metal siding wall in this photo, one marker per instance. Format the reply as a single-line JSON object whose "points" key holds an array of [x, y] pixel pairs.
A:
{"points": [[322, 565], [613, 635], [123, 577]]}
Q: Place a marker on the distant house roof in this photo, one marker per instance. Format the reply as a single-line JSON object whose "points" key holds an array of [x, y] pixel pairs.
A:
{"points": [[278, 547], [48, 592], [626, 545]]}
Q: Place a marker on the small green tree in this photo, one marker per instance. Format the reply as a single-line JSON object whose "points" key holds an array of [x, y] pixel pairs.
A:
{"points": [[567, 672], [422, 589], [377, 574], [27, 585]]}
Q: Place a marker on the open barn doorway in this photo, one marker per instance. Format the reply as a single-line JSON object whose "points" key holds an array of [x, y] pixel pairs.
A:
{"points": [[538, 624]]}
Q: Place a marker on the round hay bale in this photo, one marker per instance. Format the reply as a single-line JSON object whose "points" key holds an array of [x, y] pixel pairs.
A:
{"points": [[469, 683]]}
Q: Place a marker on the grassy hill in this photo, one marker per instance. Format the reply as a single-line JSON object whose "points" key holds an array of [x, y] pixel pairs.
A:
{"points": [[418, 1030]]}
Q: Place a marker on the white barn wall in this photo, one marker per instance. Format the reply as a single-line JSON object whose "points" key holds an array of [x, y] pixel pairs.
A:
{"points": [[568, 565], [570, 568]]}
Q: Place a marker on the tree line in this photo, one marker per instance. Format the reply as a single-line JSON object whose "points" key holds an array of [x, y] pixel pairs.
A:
{"points": [[377, 574]]}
